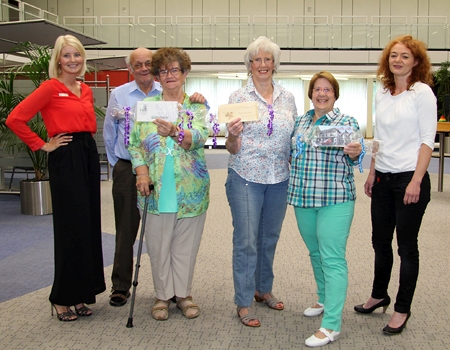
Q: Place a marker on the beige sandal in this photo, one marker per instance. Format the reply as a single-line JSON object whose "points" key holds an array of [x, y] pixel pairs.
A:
{"points": [[186, 304], [160, 310], [271, 301], [248, 317]]}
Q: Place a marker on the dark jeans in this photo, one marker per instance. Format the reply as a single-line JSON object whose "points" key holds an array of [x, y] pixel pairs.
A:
{"points": [[389, 213]]}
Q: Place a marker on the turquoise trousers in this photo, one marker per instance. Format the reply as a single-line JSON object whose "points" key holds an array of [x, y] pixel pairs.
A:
{"points": [[325, 232]]}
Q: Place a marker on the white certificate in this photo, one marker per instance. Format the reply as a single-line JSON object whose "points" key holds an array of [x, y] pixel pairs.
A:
{"points": [[147, 111], [247, 111]]}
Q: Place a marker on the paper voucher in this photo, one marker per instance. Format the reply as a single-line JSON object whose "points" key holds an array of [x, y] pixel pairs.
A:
{"points": [[147, 111], [247, 111]]}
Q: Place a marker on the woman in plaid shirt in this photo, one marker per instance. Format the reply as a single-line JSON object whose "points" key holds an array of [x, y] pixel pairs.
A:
{"points": [[322, 191]]}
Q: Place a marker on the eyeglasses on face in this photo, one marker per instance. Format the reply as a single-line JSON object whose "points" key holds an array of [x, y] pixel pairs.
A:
{"points": [[173, 71], [139, 66], [258, 61], [324, 90]]}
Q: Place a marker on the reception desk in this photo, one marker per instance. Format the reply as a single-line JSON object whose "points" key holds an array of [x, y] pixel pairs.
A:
{"points": [[442, 128]]}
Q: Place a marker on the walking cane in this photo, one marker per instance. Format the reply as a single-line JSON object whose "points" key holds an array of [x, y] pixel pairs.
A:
{"points": [[138, 260]]}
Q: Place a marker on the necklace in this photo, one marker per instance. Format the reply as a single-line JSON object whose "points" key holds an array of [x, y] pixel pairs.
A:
{"points": [[75, 89]]}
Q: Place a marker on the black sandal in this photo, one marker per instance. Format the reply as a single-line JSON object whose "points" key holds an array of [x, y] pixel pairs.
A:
{"points": [[66, 316], [83, 311]]}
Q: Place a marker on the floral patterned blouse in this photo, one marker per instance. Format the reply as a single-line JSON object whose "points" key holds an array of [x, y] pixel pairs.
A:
{"points": [[265, 159], [192, 181]]}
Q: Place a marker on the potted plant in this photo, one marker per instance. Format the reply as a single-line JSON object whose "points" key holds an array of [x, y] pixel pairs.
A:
{"points": [[34, 193], [442, 78]]}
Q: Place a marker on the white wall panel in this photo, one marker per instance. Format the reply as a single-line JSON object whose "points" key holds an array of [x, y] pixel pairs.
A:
{"points": [[228, 56], [290, 8], [234, 7], [398, 8], [374, 56], [143, 7], [436, 57], [310, 56], [200, 56], [253, 7], [343, 56], [71, 8], [216, 8], [328, 7], [52, 6]]}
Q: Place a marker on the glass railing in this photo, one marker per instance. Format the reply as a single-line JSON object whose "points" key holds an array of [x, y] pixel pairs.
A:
{"points": [[25, 12], [293, 32]]}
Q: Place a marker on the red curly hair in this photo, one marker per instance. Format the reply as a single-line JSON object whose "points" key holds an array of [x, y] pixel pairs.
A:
{"points": [[421, 72]]}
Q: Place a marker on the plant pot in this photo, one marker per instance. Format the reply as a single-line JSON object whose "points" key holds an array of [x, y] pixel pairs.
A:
{"points": [[35, 197]]}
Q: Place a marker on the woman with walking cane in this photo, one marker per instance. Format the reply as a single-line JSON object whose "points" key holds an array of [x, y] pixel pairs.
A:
{"points": [[170, 156]]}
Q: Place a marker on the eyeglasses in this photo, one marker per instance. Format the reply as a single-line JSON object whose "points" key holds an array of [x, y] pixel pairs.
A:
{"points": [[139, 66], [259, 61], [173, 71], [325, 90]]}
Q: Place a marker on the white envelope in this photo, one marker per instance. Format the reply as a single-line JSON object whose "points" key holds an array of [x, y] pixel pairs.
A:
{"points": [[147, 111], [247, 111]]}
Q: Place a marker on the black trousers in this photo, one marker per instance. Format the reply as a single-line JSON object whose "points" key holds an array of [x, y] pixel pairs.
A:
{"points": [[127, 219], [389, 213], [74, 172]]}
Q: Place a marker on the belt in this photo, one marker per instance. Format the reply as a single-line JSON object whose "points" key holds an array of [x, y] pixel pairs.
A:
{"points": [[125, 160]]}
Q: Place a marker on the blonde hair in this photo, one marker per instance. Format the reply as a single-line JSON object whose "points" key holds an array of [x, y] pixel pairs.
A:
{"points": [[54, 69]]}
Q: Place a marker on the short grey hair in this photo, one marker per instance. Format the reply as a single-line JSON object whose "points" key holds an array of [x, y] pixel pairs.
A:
{"points": [[262, 44]]}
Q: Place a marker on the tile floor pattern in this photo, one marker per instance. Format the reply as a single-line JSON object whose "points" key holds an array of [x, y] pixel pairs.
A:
{"points": [[26, 323]]}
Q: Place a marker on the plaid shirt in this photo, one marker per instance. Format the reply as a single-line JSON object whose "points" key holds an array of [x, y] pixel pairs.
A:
{"points": [[324, 175]]}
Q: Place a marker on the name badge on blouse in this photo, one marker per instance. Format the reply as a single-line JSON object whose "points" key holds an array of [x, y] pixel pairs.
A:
{"points": [[63, 94]]}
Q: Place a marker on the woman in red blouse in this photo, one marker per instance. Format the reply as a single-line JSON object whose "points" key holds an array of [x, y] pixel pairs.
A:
{"points": [[67, 109]]}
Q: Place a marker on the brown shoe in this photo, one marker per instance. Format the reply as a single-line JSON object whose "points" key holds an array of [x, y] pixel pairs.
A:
{"points": [[119, 298]]}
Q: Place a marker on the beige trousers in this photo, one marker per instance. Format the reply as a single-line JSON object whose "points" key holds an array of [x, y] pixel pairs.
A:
{"points": [[172, 245]]}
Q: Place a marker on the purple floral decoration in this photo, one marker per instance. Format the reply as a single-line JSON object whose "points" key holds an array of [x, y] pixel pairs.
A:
{"points": [[270, 123], [215, 128], [191, 118], [181, 133], [127, 125]]}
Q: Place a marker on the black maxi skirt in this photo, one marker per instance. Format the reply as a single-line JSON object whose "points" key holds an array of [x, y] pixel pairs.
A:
{"points": [[74, 172]]}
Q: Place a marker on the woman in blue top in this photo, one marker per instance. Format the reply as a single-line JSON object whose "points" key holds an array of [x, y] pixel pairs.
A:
{"points": [[323, 193]]}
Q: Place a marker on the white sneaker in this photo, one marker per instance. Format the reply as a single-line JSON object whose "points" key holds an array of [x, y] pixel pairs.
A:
{"points": [[313, 311], [314, 342]]}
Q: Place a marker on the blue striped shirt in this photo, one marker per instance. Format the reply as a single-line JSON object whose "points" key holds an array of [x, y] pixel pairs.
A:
{"points": [[321, 176]]}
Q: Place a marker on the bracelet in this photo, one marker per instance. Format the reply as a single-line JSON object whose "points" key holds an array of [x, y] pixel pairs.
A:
{"points": [[180, 136], [141, 175]]}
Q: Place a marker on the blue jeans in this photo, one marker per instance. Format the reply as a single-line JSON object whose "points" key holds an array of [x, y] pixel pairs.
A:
{"points": [[258, 211]]}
